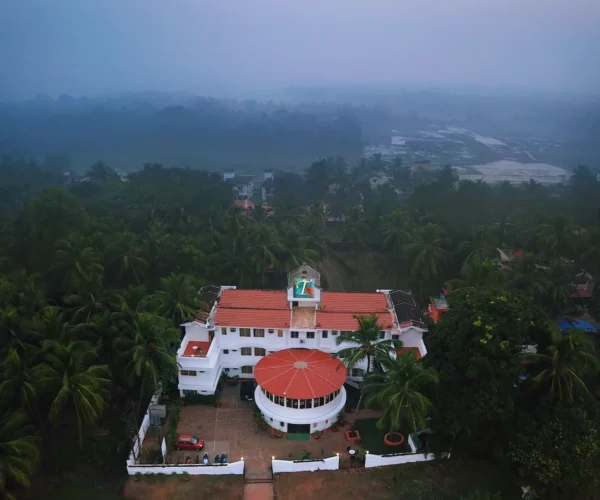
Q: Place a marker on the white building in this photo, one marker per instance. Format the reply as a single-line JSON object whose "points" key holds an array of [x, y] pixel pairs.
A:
{"points": [[242, 327]]}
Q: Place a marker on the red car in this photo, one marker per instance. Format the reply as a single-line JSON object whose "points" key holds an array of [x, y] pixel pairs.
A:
{"points": [[187, 442]]}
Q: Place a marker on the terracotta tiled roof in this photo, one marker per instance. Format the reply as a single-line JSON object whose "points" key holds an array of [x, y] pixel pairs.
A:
{"points": [[355, 303], [254, 299], [347, 321], [255, 318], [416, 350], [300, 373]]}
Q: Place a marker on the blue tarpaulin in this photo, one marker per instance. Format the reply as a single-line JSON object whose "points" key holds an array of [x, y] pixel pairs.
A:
{"points": [[579, 324]]}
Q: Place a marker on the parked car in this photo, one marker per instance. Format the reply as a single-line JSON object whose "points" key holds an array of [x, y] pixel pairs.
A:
{"points": [[187, 442]]}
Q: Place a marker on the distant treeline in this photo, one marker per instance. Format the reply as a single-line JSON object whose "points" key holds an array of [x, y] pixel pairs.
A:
{"points": [[198, 132]]}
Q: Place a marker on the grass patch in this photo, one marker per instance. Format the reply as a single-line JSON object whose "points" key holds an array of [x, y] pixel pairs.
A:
{"points": [[352, 397], [371, 438]]}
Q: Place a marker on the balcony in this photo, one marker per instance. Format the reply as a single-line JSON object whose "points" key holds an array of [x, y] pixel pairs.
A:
{"points": [[199, 354]]}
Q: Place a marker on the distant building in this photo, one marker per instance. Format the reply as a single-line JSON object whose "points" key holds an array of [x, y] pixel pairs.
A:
{"points": [[242, 186], [507, 257], [268, 186], [421, 166], [584, 285], [438, 306]]}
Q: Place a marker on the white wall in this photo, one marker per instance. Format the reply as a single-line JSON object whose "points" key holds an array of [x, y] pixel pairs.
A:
{"points": [[331, 463], [191, 469], [372, 460]]}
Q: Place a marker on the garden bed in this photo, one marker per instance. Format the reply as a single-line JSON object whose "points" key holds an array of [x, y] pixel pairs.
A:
{"points": [[372, 438]]}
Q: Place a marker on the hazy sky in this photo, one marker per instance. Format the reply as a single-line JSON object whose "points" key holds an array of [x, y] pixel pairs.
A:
{"points": [[97, 46]]}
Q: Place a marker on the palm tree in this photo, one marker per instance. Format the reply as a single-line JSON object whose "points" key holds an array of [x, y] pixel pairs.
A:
{"points": [[85, 305], [178, 299], [478, 275], [427, 253], [52, 328], [397, 390], [558, 288], [364, 344], [101, 330], [355, 228], [262, 248], [123, 257], [529, 277], [559, 369], [234, 222], [17, 388], [70, 371], [146, 350], [295, 248], [394, 230], [558, 236], [476, 247], [592, 252], [11, 331], [315, 215], [80, 265], [19, 452]]}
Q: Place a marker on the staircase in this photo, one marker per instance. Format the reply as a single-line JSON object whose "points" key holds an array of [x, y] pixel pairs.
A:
{"points": [[258, 485], [258, 477]]}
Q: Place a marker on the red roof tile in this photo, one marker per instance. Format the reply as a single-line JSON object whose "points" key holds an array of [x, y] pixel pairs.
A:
{"points": [[300, 373], [193, 348], [416, 350], [355, 303], [254, 299], [347, 321], [256, 318]]}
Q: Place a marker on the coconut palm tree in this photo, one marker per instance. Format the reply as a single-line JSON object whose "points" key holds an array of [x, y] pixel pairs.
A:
{"points": [[234, 223], [178, 299], [394, 229], [19, 452], [295, 248], [398, 390], [262, 246], [123, 258], [558, 236], [592, 251], [146, 350], [52, 328], [427, 253], [478, 275], [529, 277], [364, 344], [85, 305], [355, 228], [476, 248], [560, 368], [80, 265], [17, 385], [70, 372]]}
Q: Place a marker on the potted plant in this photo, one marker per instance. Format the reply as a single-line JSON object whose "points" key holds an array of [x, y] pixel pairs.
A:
{"points": [[334, 428], [341, 421], [317, 434], [278, 433]]}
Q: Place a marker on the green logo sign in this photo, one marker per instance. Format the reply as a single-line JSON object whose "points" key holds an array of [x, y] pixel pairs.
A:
{"points": [[304, 288]]}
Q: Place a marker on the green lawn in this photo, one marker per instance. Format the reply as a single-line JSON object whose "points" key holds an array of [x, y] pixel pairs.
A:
{"points": [[371, 438]]}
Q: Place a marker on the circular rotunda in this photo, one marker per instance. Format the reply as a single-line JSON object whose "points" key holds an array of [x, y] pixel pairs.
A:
{"points": [[300, 390]]}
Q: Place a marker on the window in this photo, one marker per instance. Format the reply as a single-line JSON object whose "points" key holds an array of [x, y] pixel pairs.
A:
{"points": [[316, 403], [189, 373], [247, 369], [309, 403], [310, 335], [345, 332], [223, 330], [271, 330], [280, 333], [395, 337], [189, 392], [295, 403], [276, 400], [225, 351], [315, 424], [270, 419], [302, 404], [259, 332], [226, 370], [259, 351], [232, 329], [324, 334], [321, 401], [294, 303], [246, 351], [381, 334], [357, 372], [288, 403], [294, 335], [244, 332], [282, 424], [334, 332]]}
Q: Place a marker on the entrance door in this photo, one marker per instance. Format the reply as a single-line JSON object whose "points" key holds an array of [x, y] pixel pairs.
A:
{"points": [[298, 432]]}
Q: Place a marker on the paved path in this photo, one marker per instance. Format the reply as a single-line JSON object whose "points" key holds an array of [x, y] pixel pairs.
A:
{"points": [[334, 280], [258, 491]]}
